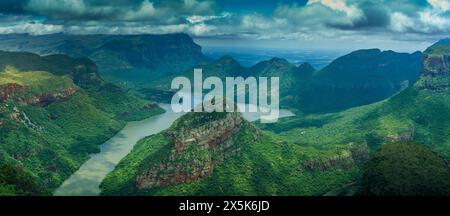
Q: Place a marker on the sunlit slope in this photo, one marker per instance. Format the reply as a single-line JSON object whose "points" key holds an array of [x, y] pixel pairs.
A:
{"points": [[54, 112]]}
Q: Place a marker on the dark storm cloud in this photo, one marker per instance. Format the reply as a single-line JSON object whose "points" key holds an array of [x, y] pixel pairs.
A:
{"points": [[12, 6], [262, 19], [374, 16], [82, 10], [107, 10]]}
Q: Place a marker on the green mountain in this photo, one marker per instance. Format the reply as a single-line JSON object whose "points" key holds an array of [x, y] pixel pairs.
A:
{"points": [[291, 76], [419, 114], [440, 48], [359, 78], [308, 154], [222, 154], [54, 112], [120, 58], [151, 61]]}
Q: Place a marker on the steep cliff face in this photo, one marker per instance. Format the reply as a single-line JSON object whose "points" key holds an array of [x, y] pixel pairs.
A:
{"points": [[9, 89], [436, 72], [436, 65], [46, 99], [437, 59], [195, 151], [38, 88], [20, 95], [189, 152]]}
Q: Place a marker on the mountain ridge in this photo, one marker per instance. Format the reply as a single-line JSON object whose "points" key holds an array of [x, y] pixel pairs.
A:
{"points": [[358, 78], [132, 58]]}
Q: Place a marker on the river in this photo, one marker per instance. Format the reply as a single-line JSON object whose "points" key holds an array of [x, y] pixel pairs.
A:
{"points": [[86, 181]]}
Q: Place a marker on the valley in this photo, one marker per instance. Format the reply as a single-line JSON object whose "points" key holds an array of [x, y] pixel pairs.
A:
{"points": [[86, 180], [54, 112], [66, 130], [307, 154]]}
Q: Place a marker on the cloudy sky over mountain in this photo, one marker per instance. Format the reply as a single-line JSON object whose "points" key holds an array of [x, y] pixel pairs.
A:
{"points": [[399, 24]]}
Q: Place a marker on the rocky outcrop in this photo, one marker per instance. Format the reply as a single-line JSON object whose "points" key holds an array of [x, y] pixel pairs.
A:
{"points": [[48, 98], [436, 73], [345, 160], [20, 94], [435, 65], [209, 134], [195, 151], [7, 90]]}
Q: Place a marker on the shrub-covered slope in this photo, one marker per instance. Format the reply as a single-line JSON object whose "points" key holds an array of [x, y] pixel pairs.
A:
{"points": [[52, 117]]}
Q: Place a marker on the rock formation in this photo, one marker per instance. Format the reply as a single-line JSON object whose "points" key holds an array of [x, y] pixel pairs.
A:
{"points": [[195, 150], [20, 94], [436, 70]]}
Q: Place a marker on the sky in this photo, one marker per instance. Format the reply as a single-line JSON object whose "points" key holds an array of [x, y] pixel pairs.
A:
{"points": [[401, 25]]}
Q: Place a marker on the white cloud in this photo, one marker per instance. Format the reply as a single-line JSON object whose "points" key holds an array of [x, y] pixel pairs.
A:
{"points": [[65, 7], [434, 21], [194, 19], [339, 5], [256, 21], [197, 7], [122, 11], [316, 16], [201, 29], [349, 20], [400, 22], [33, 28], [443, 5], [146, 10], [129, 28]]}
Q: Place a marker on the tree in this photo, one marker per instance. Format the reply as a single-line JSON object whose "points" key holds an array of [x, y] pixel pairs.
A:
{"points": [[406, 169]]}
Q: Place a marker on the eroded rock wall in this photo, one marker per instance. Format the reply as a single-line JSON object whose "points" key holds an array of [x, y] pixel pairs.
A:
{"points": [[195, 152]]}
